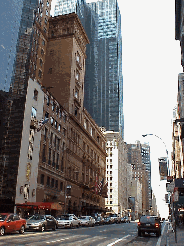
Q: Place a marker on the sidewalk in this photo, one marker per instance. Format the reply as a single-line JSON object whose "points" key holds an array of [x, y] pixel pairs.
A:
{"points": [[168, 237]]}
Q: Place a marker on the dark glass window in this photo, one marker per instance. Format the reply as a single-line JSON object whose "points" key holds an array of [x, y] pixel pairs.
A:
{"points": [[35, 96], [52, 182], [48, 181], [42, 179], [56, 184], [61, 186]]}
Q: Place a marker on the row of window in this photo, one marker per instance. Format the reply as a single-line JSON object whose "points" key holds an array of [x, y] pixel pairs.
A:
{"points": [[51, 182]]}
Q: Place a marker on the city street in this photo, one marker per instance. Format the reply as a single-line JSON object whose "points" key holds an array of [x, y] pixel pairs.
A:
{"points": [[104, 235]]}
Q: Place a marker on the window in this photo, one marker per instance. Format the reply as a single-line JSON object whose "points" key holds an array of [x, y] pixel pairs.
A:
{"points": [[85, 124], [91, 131], [76, 111], [53, 106], [46, 115], [52, 121], [49, 158], [61, 186], [58, 145], [55, 141], [46, 21], [59, 127], [48, 181], [57, 109], [110, 166], [41, 62], [53, 164], [42, 52], [62, 164], [45, 134], [77, 75], [64, 117], [57, 160], [42, 179], [63, 146], [56, 184], [43, 42], [110, 184], [83, 145], [77, 57], [52, 182], [55, 124], [51, 138], [76, 93], [40, 74], [44, 153], [64, 132], [47, 4], [47, 13], [110, 190], [35, 96], [33, 112]]}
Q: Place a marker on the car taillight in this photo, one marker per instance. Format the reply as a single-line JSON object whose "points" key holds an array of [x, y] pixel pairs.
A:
{"points": [[156, 225], [138, 223]]}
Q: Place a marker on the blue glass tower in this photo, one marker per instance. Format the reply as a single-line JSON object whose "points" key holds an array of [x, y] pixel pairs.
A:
{"points": [[103, 80]]}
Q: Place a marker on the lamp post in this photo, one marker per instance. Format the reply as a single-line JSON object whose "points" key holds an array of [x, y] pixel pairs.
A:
{"points": [[145, 135]]}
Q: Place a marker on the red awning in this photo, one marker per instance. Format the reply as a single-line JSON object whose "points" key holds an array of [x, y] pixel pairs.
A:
{"points": [[39, 205]]}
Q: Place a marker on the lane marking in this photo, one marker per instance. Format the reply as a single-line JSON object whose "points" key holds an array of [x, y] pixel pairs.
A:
{"points": [[118, 240], [160, 238]]}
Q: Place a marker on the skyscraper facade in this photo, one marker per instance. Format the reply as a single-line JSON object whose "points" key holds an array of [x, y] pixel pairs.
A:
{"points": [[24, 27], [103, 79]]}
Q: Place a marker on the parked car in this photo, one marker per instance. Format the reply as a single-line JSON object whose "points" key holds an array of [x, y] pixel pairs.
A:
{"points": [[149, 224], [125, 219], [68, 220], [99, 220], [87, 221], [41, 223], [107, 220], [115, 218], [11, 223]]}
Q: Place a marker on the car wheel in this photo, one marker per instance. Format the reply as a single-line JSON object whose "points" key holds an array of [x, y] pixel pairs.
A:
{"points": [[2, 231], [42, 228], [54, 228], [139, 233], [21, 231]]}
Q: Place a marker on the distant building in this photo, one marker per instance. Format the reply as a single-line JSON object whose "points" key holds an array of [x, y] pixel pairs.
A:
{"points": [[116, 173], [136, 159]]}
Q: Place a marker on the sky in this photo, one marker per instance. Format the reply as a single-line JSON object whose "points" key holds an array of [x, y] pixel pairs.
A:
{"points": [[151, 61]]}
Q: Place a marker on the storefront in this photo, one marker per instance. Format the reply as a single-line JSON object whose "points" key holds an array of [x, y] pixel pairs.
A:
{"points": [[27, 209]]}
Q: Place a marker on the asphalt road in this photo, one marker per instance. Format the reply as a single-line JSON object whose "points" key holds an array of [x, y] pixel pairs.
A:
{"points": [[104, 235]]}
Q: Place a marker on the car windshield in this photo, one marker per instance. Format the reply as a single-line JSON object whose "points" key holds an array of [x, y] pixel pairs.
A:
{"points": [[37, 217], [148, 219], [67, 217], [84, 217], [2, 217]]}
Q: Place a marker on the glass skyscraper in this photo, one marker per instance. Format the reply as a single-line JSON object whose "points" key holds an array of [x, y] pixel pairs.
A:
{"points": [[103, 79]]}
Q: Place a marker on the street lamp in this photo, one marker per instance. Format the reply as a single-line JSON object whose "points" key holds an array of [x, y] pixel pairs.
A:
{"points": [[144, 135]]}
